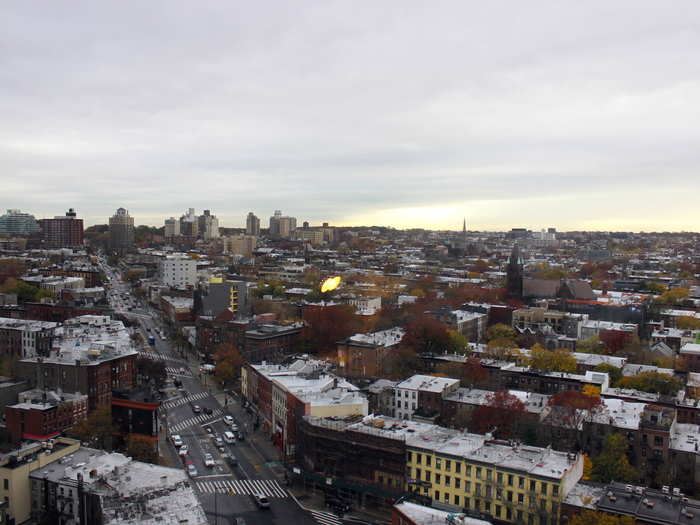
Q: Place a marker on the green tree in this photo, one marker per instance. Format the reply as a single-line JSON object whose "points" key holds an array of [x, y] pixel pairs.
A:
{"points": [[654, 382], [457, 342], [614, 373], [592, 345], [228, 362], [653, 287], [501, 331], [612, 464]]}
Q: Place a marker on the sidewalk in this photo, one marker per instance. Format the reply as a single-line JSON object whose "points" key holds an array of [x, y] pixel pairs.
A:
{"points": [[315, 501]]}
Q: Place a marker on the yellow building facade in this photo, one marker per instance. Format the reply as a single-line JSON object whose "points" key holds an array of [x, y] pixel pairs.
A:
{"points": [[514, 484]]}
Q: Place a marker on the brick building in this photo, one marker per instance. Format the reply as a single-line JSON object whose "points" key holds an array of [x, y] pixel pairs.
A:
{"points": [[365, 355], [270, 341], [42, 415], [62, 231]]}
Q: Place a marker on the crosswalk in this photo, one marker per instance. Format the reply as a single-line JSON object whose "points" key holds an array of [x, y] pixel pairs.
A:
{"points": [[177, 372], [197, 420], [269, 488], [325, 518], [181, 401]]}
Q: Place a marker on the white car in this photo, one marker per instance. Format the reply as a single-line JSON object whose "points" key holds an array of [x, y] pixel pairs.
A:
{"points": [[228, 420], [183, 450], [177, 440], [192, 470], [209, 460]]}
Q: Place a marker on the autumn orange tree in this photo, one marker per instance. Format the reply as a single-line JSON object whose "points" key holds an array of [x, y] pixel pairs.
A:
{"points": [[589, 517], [427, 334], [572, 410], [326, 325], [228, 362]]}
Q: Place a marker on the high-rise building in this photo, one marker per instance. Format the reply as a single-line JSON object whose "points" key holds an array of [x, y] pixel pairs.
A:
{"points": [[282, 226], [14, 222], [252, 224], [172, 228], [121, 231], [189, 225], [208, 226], [62, 232]]}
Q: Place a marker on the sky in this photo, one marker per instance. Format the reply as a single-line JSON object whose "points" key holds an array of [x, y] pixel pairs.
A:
{"points": [[577, 115]]}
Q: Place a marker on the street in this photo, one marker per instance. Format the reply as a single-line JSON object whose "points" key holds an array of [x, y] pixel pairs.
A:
{"points": [[226, 488]]}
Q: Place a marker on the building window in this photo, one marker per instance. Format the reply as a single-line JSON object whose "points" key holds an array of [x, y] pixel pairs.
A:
{"points": [[510, 480], [458, 467], [6, 484], [458, 482], [456, 500], [417, 473], [521, 482], [447, 481], [438, 463], [437, 496], [469, 470], [521, 498], [427, 460], [448, 465], [555, 490], [437, 479], [478, 472], [418, 458]]}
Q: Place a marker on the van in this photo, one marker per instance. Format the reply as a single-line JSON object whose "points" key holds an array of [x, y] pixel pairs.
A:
{"points": [[229, 437]]}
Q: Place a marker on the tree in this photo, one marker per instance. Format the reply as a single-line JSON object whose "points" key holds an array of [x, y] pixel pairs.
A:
{"points": [[552, 360], [615, 340], [151, 370], [591, 391], [326, 325], [501, 331], [141, 450], [592, 345], [503, 412], [590, 517], [612, 464], [95, 430], [686, 322], [427, 334], [401, 363], [614, 373], [474, 373], [654, 382], [132, 276], [571, 410], [653, 287], [228, 362], [503, 349], [457, 342], [673, 296]]}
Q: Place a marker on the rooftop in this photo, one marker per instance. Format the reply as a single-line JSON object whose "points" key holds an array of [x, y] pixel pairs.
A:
{"points": [[427, 383], [429, 516], [388, 337]]}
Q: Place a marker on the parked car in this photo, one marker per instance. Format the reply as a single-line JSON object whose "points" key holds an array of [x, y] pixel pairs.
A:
{"points": [[228, 420], [209, 460], [177, 440], [192, 470], [183, 450]]}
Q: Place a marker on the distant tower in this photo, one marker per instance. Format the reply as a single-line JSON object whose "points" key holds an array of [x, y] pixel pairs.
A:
{"points": [[514, 279], [464, 233]]}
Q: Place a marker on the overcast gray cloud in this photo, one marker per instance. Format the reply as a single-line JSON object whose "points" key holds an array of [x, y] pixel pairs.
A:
{"points": [[573, 114]]}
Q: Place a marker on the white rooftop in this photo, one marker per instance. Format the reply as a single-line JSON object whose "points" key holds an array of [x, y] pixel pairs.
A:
{"points": [[388, 337], [427, 383], [421, 515]]}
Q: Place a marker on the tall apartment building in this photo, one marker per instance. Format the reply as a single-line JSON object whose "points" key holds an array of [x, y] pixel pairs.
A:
{"points": [[121, 231], [282, 226], [240, 244], [62, 232], [189, 225], [208, 226], [177, 271], [172, 228], [14, 222], [252, 224]]}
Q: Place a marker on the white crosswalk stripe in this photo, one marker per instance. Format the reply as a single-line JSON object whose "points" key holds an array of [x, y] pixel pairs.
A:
{"points": [[181, 401], [269, 488], [177, 372], [197, 420], [325, 518]]}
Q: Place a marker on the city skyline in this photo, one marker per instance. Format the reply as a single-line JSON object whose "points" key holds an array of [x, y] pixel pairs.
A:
{"points": [[573, 115]]}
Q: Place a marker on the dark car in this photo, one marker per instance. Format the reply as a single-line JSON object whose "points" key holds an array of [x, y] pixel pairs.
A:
{"points": [[261, 501], [207, 411]]}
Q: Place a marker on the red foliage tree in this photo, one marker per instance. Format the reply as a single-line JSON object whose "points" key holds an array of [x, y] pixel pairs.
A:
{"points": [[614, 340], [571, 410], [326, 325], [473, 373], [502, 411], [427, 334]]}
